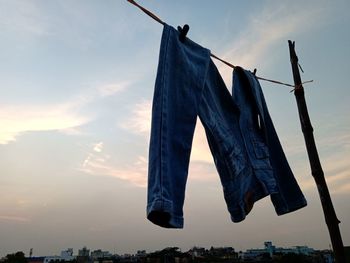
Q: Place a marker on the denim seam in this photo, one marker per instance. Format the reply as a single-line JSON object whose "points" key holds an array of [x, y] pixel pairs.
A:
{"points": [[203, 84], [163, 128]]}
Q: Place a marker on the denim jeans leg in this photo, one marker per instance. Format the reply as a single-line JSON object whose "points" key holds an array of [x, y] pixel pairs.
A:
{"points": [[180, 77]]}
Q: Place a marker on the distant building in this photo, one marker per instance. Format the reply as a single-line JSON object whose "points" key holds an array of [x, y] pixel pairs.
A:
{"points": [[304, 250], [271, 250], [84, 252], [67, 253], [196, 252], [99, 254], [83, 255]]}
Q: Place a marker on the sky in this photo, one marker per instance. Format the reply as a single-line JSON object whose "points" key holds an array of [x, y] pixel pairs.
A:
{"points": [[77, 80]]}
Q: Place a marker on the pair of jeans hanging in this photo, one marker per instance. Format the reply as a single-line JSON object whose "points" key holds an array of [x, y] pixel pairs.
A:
{"points": [[188, 85]]}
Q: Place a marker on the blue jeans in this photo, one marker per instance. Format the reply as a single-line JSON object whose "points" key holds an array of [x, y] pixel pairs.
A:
{"points": [[255, 120], [188, 85]]}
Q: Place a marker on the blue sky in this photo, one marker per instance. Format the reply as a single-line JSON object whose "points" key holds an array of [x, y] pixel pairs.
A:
{"points": [[76, 82]]}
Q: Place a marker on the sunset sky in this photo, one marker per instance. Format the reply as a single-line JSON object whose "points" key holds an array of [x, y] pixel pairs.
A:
{"points": [[76, 81]]}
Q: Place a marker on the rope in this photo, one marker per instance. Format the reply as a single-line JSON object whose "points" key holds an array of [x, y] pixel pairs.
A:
{"points": [[147, 12], [156, 18], [300, 86]]}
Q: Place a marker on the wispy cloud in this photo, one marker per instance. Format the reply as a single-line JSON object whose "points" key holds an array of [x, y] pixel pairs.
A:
{"points": [[137, 173], [99, 164], [275, 22], [140, 120], [333, 144], [16, 120], [74, 131], [337, 173], [98, 147], [22, 18], [202, 171], [112, 88], [337, 184], [18, 219], [200, 148], [336, 169], [64, 117]]}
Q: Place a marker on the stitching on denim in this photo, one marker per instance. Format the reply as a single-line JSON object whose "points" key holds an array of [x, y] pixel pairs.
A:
{"points": [[164, 55], [203, 84]]}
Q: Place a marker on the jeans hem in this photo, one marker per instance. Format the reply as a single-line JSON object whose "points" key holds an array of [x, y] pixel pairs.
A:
{"points": [[159, 212], [239, 213], [292, 206]]}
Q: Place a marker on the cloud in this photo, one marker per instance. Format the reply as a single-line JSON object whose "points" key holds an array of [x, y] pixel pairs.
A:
{"points": [[98, 147], [200, 148], [140, 120], [275, 22], [343, 189], [113, 88], [337, 184], [18, 219], [63, 117], [16, 120], [203, 172], [72, 131], [337, 173], [99, 165], [137, 173], [22, 18], [336, 169]]}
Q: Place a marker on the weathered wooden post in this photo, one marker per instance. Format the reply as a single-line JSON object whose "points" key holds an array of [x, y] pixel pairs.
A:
{"points": [[316, 169]]}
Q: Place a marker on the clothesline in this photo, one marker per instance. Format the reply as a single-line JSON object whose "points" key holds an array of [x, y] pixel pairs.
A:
{"points": [[156, 18]]}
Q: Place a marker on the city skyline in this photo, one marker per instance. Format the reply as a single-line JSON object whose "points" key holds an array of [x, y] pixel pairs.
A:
{"points": [[77, 82], [86, 251]]}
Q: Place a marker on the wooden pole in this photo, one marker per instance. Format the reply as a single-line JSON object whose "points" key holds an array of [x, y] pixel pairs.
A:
{"points": [[316, 169]]}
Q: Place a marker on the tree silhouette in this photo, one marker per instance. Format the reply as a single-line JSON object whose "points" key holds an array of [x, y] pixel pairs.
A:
{"points": [[18, 257]]}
